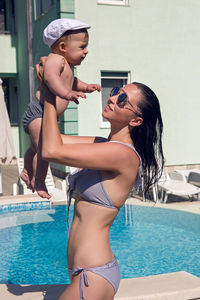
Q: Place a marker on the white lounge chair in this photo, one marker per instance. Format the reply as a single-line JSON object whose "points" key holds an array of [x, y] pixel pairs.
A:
{"points": [[186, 172], [194, 178], [57, 189], [174, 185]]}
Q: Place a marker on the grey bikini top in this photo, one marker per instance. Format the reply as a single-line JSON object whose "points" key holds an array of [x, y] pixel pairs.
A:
{"points": [[88, 184]]}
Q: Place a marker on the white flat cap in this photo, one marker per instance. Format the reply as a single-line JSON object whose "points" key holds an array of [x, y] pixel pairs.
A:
{"points": [[58, 27]]}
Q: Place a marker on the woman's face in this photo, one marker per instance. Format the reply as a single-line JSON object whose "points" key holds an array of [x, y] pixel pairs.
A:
{"points": [[116, 112]]}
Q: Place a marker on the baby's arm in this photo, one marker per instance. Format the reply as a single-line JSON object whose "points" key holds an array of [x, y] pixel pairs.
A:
{"points": [[53, 69], [79, 85]]}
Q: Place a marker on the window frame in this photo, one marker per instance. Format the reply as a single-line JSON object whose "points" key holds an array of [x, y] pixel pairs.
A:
{"points": [[126, 80], [114, 2]]}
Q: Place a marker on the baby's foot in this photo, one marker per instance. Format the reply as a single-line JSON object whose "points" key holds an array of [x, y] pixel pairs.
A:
{"points": [[25, 176], [41, 190]]}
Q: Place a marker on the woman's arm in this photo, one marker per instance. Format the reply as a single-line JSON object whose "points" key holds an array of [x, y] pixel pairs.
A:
{"points": [[102, 156], [69, 139]]}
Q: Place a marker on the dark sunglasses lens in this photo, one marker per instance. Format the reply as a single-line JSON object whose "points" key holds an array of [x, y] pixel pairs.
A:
{"points": [[122, 100], [114, 91]]}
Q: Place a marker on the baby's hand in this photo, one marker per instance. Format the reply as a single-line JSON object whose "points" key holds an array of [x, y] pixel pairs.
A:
{"points": [[93, 87], [73, 96]]}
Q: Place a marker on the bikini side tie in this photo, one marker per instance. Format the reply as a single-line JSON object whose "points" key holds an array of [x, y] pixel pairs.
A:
{"points": [[83, 278]]}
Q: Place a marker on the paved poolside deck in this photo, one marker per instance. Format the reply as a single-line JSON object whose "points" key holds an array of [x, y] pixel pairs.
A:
{"points": [[173, 286]]}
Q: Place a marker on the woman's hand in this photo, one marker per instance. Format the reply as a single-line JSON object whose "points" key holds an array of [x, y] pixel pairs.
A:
{"points": [[40, 69]]}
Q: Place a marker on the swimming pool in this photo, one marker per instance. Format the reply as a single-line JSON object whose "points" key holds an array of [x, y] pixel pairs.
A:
{"points": [[33, 243]]}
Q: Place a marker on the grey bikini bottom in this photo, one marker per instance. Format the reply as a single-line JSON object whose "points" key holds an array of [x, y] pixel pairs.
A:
{"points": [[109, 271]]}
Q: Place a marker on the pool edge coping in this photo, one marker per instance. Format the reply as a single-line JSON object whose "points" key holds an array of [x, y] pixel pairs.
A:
{"points": [[20, 199], [171, 286]]}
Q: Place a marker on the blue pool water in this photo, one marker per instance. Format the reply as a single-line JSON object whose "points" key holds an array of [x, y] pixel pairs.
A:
{"points": [[146, 241]]}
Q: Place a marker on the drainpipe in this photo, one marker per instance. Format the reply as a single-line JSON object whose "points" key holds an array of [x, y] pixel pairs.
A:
{"points": [[30, 50]]}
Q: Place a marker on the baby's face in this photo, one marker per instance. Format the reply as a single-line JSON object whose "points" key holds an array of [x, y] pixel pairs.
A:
{"points": [[76, 48]]}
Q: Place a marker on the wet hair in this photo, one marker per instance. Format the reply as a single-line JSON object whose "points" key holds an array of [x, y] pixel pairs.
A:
{"points": [[147, 137], [66, 34]]}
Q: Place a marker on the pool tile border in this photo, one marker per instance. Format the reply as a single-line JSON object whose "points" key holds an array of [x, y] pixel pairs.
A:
{"points": [[23, 203], [187, 206], [24, 206]]}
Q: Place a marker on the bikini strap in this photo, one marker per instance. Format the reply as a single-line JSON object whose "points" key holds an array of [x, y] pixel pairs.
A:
{"points": [[131, 146], [139, 181], [69, 199]]}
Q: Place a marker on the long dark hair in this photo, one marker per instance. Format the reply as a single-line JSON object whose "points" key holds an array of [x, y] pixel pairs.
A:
{"points": [[147, 137]]}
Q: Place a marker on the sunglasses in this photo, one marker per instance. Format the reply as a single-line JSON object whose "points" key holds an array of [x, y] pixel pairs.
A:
{"points": [[122, 99]]}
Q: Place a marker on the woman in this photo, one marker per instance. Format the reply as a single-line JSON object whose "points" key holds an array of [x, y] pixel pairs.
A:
{"points": [[110, 169]]}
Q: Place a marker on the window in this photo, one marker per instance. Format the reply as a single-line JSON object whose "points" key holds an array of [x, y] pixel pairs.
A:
{"points": [[2, 16], [7, 17], [108, 81], [11, 99], [50, 3], [38, 8], [42, 7], [114, 2]]}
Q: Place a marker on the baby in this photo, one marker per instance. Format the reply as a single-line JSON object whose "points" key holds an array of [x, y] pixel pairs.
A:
{"points": [[68, 39]]}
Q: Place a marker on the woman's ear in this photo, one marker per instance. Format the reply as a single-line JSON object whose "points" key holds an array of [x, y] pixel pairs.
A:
{"points": [[136, 122]]}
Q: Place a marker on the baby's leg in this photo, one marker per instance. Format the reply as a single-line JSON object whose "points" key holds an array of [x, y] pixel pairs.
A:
{"points": [[40, 166], [27, 172]]}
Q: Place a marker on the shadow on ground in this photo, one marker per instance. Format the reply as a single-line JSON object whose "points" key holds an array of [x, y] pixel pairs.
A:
{"points": [[49, 292]]}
